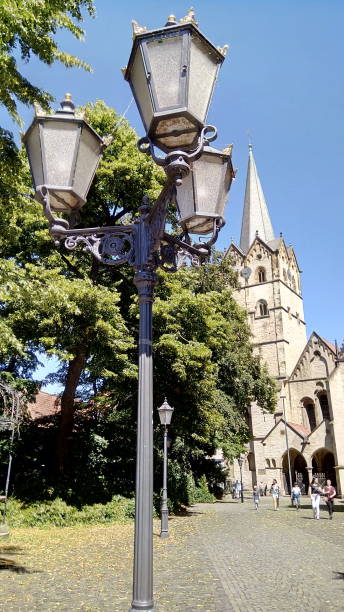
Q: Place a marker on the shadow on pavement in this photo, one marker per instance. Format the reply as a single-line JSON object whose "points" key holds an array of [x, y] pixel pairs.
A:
{"points": [[338, 575], [10, 564]]}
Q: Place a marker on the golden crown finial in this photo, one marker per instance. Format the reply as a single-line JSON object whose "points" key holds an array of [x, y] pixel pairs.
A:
{"points": [[137, 29], [190, 17], [228, 149], [223, 50], [68, 96]]}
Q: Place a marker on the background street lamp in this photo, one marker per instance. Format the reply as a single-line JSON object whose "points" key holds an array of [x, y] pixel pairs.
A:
{"points": [[64, 152], [283, 397], [240, 462], [165, 415]]}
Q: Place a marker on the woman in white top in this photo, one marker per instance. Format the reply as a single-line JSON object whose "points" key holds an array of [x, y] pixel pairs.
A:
{"points": [[316, 490]]}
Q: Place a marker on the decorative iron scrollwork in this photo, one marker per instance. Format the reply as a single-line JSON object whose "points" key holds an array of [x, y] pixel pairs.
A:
{"points": [[110, 248]]}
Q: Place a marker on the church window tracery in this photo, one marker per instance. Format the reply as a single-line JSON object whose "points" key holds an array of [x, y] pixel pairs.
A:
{"points": [[261, 275]]}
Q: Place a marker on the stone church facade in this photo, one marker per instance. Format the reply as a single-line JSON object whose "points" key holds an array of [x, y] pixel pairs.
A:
{"points": [[309, 417]]}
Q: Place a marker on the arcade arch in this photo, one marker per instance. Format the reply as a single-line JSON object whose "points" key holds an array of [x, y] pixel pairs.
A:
{"points": [[323, 465], [299, 472]]}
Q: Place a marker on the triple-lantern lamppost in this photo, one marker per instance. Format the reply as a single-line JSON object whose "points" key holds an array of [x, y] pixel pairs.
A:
{"points": [[172, 73]]}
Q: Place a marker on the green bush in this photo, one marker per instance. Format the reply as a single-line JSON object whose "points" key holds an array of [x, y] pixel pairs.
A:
{"points": [[201, 494], [60, 514]]}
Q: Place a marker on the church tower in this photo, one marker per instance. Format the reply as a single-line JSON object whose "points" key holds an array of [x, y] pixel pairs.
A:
{"points": [[270, 292], [269, 283]]}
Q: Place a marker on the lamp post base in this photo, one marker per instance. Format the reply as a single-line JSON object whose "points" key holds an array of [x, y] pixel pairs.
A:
{"points": [[142, 608]]}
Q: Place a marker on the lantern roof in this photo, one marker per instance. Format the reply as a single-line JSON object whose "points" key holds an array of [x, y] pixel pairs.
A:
{"points": [[186, 23], [67, 111]]}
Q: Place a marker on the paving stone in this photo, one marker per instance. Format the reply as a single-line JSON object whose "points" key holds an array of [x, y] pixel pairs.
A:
{"points": [[224, 557]]}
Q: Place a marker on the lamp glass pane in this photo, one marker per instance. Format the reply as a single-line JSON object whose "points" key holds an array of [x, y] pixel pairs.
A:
{"points": [[165, 57], [33, 147], [59, 140], [209, 172], [140, 86], [165, 416], [87, 161], [202, 75], [185, 197]]}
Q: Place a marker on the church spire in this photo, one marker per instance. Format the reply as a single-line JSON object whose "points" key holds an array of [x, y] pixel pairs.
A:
{"points": [[256, 218]]}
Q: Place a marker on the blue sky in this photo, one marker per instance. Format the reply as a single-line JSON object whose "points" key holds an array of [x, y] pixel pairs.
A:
{"points": [[282, 80]]}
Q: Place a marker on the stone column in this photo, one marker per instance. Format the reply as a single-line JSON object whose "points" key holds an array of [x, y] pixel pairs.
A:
{"points": [[340, 479]]}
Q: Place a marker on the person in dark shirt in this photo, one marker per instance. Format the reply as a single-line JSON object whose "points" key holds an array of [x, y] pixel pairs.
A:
{"points": [[329, 493]]}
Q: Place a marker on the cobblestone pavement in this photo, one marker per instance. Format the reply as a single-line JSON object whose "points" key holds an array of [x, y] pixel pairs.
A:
{"points": [[224, 557]]}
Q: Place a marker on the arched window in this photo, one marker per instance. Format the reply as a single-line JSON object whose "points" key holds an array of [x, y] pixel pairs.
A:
{"points": [[261, 274], [284, 275], [310, 420], [262, 309], [293, 283], [273, 463], [325, 409], [310, 411], [251, 462], [267, 463]]}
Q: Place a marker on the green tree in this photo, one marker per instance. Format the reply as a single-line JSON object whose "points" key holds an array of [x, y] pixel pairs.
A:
{"points": [[53, 277], [30, 26]]}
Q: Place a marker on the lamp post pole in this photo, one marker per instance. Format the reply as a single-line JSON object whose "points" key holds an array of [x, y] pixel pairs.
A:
{"points": [[240, 462], [286, 441], [143, 543]]}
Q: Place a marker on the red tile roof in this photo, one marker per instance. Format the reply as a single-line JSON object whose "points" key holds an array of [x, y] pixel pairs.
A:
{"points": [[330, 345], [300, 429], [45, 404]]}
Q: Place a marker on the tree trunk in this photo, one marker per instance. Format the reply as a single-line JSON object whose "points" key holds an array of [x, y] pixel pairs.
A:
{"points": [[64, 437]]}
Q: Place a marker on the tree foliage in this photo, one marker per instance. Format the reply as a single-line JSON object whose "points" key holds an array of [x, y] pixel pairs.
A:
{"points": [[28, 28], [66, 304]]}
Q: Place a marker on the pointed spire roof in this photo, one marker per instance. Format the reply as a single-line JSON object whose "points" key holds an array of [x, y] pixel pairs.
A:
{"points": [[256, 219]]}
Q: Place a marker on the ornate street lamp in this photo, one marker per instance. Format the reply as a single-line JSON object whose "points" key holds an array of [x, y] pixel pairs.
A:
{"points": [[172, 73], [165, 415], [64, 152], [240, 462]]}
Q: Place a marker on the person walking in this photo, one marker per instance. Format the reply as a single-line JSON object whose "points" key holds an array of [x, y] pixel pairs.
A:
{"points": [[256, 496], [275, 492], [329, 493], [316, 491], [296, 495]]}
